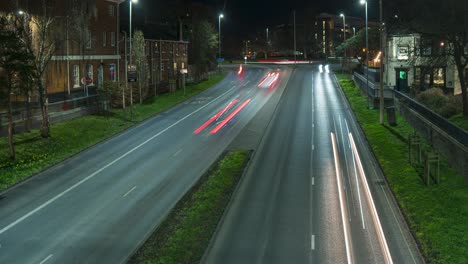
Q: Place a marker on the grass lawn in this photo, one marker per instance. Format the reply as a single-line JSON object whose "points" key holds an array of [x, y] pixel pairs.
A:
{"points": [[34, 154], [185, 234], [437, 214]]}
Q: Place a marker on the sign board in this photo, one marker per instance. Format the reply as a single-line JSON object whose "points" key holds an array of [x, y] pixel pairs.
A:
{"points": [[183, 71], [220, 60], [86, 80]]}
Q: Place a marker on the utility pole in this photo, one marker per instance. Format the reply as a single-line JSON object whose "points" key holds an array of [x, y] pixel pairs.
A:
{"points": [[294, 17], [382, 65]]}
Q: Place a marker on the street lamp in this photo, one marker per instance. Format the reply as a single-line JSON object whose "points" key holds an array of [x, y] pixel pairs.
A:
{"points": [[219, 35], [364, 2], [344, 37], [130, 29]]}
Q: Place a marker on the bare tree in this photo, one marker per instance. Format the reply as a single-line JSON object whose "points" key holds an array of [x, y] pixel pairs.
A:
{"points": [[15, 61], [139, 55], [438, 20], [39, 41]]}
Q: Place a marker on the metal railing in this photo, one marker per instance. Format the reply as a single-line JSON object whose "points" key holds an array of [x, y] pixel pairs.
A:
{"points": [[454, 131]]}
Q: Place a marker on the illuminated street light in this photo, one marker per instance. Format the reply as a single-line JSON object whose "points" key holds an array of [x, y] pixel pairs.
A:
{"points": [[344, 38], [219, 34]]}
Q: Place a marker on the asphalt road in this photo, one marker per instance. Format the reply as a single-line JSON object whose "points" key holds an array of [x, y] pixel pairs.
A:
{"points": [[311, 194], [98, 206]]}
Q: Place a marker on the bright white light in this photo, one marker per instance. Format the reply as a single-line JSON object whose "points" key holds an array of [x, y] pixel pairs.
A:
{"points": [[341, 15], [327, 70], [135, 1], [21, 12], [221, 16], [321, 68], [363, 2]]}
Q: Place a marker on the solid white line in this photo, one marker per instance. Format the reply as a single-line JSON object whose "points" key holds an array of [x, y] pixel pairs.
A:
{"points": [[46, 259], [375, 215], [313, 147], [313, 180], [21, 219], [312, 242], [131, 190], [340, 195]]}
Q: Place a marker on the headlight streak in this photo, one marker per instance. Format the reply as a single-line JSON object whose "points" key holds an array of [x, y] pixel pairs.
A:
{"points": [[344, 214], [375, 216]]}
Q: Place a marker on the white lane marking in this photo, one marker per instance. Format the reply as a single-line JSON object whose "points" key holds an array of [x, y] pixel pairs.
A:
{"points": [[375, 215], [177, 153], [87, 178], [313, 125], [131, 190], [46, 259], [340, 195], [313, 147], [312, 242], [313, 180]]}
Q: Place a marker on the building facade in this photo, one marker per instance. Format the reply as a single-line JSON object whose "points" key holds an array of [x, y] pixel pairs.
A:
{"points": [[420, 64]]}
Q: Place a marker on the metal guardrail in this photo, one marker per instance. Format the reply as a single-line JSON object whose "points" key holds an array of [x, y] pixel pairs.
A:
{"points": [[373, 91], [454, 131]]}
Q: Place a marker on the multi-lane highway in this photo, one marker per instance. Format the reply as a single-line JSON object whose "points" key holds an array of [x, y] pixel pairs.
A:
{"points": [[98, 206], [313, 192]]}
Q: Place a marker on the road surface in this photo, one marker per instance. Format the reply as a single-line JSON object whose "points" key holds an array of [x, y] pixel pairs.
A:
{"points": [[99, 205], [313, 192]]}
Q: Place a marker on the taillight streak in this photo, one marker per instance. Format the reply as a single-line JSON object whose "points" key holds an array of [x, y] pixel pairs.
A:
{"points": [[230, 116], [213, 118]]}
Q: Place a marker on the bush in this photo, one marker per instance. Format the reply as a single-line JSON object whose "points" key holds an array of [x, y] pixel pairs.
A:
{"points": [[446, 106]]}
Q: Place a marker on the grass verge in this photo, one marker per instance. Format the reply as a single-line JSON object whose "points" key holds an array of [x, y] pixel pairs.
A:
{"points": [[185, 234], [460, 121], [437, 214], [34, 154]]}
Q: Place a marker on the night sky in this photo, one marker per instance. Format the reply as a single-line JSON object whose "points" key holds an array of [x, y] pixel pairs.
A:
{"points": [[245, 17]]}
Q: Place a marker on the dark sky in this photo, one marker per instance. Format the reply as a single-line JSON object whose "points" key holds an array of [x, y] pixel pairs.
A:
{"points": [[250, 16]]}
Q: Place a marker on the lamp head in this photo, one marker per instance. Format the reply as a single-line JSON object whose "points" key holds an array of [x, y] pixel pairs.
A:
{"points": [[135, 1], [221, 16], [363, 2], [341, 15]]}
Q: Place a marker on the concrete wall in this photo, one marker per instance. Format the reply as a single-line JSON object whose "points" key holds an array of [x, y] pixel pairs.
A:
{"points": [[455, 153]]}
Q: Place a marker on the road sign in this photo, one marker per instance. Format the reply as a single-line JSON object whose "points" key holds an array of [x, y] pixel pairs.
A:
{"points": [[132, 75]]}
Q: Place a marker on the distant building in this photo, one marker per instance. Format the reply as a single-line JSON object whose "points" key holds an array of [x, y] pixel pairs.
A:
{"points": [[86, 40], [418, 63]]}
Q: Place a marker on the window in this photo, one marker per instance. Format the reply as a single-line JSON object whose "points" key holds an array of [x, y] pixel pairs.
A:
{"points": [[88, 39], [316, 35], [112, 39], [426, 47], [76, 76], [183, 66], [162, 66], [402, 52], [175, 66], [111, 10], [89, 74], [438, 77], [112, 72], [417, 75], [104, 39]]}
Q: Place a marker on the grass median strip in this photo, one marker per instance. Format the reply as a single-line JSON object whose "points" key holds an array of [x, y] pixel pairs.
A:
{"points": [[186, 232], [34, 154], [437, 214]]}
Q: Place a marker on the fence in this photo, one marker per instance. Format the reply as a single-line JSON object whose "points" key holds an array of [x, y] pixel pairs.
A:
{"points": [[454, 131], [58, 111]]}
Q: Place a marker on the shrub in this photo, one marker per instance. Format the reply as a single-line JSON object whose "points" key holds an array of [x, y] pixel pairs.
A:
{"points": [[446, 106]]}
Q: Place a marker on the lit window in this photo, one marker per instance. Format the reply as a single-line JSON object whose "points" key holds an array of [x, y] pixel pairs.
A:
{"points": [[175, 66], [403, 53], [76, 76], [112, 39], [104, 39], [156, 47], [439, 77]]}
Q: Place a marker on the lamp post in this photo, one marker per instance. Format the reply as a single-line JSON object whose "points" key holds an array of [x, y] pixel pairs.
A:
{"points": [[130, 38], [364, 2], [344, 38], [219, 34]]}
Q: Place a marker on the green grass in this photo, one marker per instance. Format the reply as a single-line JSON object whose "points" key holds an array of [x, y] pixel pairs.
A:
{"points": [[34, 154], [460, 121], [185, 234], [437, 214]]}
